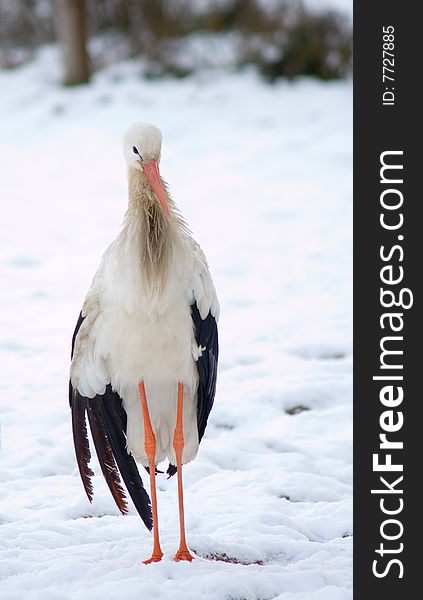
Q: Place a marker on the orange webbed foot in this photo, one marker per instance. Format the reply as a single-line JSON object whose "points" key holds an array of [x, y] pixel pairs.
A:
{"points": [[183, 555], [154, 558]]}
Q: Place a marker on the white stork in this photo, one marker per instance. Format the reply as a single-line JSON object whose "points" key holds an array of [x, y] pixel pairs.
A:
{"points": [[145, 347]]}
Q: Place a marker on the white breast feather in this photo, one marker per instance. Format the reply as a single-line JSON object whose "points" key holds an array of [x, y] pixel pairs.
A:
{"points": [[116, 302]]}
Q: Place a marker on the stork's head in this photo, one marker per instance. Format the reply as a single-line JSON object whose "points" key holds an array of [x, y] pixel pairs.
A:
{"points": [[142, 145]]}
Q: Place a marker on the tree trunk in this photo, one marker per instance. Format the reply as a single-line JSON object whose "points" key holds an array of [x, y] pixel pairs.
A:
{"points": [[71, 33]]}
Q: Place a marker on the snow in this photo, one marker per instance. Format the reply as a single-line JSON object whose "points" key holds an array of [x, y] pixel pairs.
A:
{"points": [[262, 174]]}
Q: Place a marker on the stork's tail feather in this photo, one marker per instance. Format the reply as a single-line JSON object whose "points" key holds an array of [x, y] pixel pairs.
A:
{"points": [[156, 470], [171, 470]]}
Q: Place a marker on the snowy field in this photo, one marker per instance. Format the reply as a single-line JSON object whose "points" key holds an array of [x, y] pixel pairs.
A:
{"points": [[263, 176]]}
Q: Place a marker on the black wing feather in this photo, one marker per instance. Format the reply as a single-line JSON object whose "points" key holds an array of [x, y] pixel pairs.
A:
{"points": [[110, 409], [81, 443], [105, 456], [75, 333], [205, 331], [206, 336], [108, 420]]}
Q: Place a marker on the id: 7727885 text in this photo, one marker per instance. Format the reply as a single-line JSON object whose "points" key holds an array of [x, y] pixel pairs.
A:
{"points": [[388, 65]]}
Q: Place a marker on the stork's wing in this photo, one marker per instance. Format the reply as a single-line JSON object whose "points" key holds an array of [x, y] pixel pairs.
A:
{"points": [[207, 340], [205, 314], [107, 419]]}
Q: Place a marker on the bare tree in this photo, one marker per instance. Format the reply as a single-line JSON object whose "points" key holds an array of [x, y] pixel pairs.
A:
{"points": [[71, 32]]}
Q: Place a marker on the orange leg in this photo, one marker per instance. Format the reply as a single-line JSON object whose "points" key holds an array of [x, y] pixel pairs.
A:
{"points": [[150, 449], [178, 443]]}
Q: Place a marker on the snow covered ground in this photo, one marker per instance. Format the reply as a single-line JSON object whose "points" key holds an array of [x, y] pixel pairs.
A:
{"points": [[263, 176]]}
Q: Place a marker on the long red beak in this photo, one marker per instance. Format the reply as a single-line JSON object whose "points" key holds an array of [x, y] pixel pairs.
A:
{"points": [[151, 171]]}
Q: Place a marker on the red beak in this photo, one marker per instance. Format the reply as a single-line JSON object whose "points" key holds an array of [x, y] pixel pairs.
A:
{"points": [[151, 171]]}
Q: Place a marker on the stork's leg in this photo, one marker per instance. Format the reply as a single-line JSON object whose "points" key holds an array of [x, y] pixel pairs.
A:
{"points": [[150, 449], [178, 443]]}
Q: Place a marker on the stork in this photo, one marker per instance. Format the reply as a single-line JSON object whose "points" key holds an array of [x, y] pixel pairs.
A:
{"points": [[145, 347]]}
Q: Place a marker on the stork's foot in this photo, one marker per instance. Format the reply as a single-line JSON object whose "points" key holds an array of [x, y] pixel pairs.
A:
{"points": [[155, 557], [183, 555]]}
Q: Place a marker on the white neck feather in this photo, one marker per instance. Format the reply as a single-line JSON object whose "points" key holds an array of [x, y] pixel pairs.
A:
{"points": [[153, 245]]}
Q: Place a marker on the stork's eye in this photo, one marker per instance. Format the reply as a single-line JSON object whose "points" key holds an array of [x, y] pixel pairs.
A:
{"points": [[135, 151]]}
